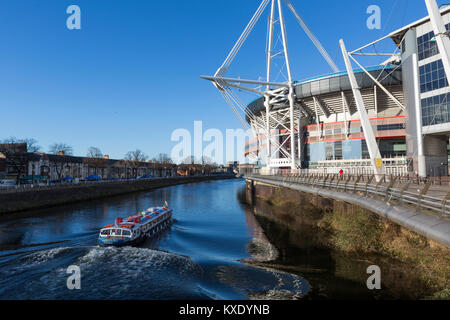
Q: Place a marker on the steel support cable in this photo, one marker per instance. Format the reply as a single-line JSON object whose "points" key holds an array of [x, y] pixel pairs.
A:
{"points": [[233, 108], [241, 120], [243, 37], [269, 25], [384, 68], [313, 38], [390, 15], [381, 86], [241, 106], [222, 70], [401, 62], [281, 73], [252, 116]]}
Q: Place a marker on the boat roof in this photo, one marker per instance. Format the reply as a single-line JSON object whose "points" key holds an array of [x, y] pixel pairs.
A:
{"points": [[150, 214]]}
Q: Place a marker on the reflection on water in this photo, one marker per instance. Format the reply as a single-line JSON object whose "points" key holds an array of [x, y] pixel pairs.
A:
{"points": [[201, 257], [303, 249], [217, 248]]}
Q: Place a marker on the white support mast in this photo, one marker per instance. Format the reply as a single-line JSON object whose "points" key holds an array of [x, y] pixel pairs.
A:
{"points": [[269, 69], [441, 34], [277, 96], [291, 95], [375, 155]]}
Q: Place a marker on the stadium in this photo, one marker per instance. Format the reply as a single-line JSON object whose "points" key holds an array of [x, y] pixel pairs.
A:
{"points": [[393, 118], [331, 137]]}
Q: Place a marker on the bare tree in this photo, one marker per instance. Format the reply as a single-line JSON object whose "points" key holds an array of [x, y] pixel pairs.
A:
{"points": [[162, 158], [94, 152], [208, 165], [190, 160], [120, 166], [135, 159], [32, 144], [161, 162], [57, 147], [60, 166], [16, 160], [16, 153], [95, 159]]}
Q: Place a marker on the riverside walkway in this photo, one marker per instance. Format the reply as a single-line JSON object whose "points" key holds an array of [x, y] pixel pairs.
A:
{"points": [[421, 205]]}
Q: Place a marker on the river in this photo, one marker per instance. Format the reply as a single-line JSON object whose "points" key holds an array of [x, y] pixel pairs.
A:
{"points": [[216, 249]]}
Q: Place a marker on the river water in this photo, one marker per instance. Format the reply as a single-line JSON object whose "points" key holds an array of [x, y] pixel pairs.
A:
{"points": [[217, 248]]}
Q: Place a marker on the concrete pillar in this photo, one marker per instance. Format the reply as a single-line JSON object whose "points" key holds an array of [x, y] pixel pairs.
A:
{"points": [[435, 154]]}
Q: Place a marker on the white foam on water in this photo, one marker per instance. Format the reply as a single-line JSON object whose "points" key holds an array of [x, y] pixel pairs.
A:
{"points": [[114, 273], [34, 260], [262, 250]]}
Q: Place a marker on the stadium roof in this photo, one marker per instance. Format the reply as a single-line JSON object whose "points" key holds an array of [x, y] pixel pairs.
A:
{"points": [[398, 35], [389, 75]]}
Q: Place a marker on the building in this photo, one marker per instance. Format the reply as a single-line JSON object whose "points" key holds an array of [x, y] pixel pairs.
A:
{"points": [[16, 163], [426, 92], [392, 118], [3, 166], [331, 137]]}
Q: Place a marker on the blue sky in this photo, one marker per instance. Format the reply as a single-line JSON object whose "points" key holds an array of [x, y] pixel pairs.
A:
{"points": [[130, 76]]}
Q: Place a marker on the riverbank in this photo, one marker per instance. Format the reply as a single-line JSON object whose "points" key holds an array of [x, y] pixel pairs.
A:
{"points": [[12, 202], [363, 235]]}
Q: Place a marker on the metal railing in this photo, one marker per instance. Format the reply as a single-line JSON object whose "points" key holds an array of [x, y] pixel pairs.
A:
{"points": [[422, 194]]}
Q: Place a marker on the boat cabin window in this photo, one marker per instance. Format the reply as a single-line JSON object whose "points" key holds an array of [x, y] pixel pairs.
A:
{"points": [[117, 232], [105, 232], [126, 233]]}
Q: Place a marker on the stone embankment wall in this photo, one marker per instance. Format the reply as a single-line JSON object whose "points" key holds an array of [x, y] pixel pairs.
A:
{"points": [[41, 198], [358, 232]]}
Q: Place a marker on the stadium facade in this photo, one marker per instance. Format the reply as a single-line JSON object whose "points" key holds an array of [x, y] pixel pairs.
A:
{"points": [[389, 119], [331, 137]]}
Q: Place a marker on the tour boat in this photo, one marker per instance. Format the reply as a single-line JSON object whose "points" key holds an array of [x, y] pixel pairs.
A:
{"points": [[135, 229]]}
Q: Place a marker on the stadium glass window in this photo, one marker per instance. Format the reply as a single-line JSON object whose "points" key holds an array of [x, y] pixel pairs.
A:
{"points": [[392, 148], [432, 76], [364, 150], [329, 151], [427, 46], [338, 150], [436, 110], [385, 127]]}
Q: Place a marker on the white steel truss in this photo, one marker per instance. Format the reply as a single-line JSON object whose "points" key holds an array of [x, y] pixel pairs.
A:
{"points": [[374, 151], [281, 97]]}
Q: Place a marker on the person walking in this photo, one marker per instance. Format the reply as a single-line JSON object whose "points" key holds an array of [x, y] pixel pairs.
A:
{"points": [[341, 173]]}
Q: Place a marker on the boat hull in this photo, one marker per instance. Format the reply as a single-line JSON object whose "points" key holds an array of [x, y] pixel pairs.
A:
{"points": [[122, 242]]}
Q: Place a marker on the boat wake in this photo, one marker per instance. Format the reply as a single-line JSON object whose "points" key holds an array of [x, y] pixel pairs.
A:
{"points": [[106, 273]]}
